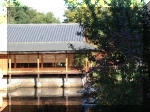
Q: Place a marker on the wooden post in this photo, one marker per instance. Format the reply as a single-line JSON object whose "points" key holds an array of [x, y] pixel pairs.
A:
{"points": [[55, 60], [38, 66], [28, 60], [86, 66], [15, 61], [9, 64], [73, 63], [38, 72], [66, 62], [66, 67], [42, 61], [9, 68]]}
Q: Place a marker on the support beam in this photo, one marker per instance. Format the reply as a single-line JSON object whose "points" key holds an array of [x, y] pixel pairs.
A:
{"points": [[55, 60], [28, 60], [66, 62], [66, 77], [15, 61], [73, 60], [42, 61], [87, 65], [66, 67], [38, 71], [38, 67], [9, 65]]}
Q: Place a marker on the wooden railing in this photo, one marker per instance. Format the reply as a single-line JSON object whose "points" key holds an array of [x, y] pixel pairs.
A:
{"points": [[50, 70]]}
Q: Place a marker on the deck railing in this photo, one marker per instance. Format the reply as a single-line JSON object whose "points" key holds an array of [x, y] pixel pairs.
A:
{"points": [[48, 70]]}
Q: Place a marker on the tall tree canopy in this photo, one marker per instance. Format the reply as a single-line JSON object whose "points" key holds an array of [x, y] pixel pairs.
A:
{"points": [[17, 13], [117, 31]]}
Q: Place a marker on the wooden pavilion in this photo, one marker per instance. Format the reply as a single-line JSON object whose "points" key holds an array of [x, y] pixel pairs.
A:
{"points": [[43, 49]]}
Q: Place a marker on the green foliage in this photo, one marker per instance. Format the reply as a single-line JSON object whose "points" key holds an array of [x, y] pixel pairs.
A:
{"points": [[114, 92], [70, 16], [49, 18], [25, 15], [117, 31], [77, 15], [80, 60], [20, 14]]}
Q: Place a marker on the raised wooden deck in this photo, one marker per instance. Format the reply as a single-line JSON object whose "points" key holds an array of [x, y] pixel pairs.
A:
{"points": [[42, 64]]}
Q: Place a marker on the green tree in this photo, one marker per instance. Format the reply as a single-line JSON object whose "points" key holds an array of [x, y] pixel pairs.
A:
{"points": [[49, 18], [146, 53], [117, 31], [18, 13]]}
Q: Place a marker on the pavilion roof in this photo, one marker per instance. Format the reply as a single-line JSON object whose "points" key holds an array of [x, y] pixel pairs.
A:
{"points": [[46, 37]]}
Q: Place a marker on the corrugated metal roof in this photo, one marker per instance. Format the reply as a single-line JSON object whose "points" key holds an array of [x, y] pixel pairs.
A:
{"points": [[50, 46], [45, 37], [43, 32]]}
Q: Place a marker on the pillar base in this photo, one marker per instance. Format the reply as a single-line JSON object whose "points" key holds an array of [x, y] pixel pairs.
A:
{"points": [[67, 83], [38, 85]]}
